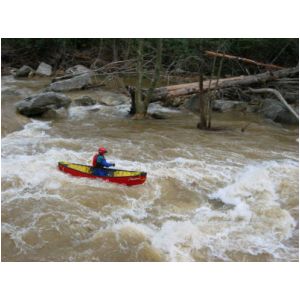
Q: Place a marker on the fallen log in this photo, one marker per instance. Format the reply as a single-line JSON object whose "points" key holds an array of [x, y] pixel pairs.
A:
{"points": [[163, 93], [242, 59]]}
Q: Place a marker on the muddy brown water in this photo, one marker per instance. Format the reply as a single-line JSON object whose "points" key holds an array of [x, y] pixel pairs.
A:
{"points": [[209, 196]]}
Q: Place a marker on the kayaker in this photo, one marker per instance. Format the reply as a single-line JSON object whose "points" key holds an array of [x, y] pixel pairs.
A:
{"points": [[100, 163]]}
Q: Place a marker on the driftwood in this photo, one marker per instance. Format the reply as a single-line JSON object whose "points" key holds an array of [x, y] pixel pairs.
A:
{"points": [[162, 93], [245, 60], [278, 95]]}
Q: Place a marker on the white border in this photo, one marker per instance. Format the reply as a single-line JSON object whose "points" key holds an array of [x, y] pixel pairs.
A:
{"points": [[189, 18], [156, 18], [149, 281]]}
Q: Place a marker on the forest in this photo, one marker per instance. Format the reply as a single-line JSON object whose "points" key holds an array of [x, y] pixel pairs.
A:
{"points": [[178, 53]]}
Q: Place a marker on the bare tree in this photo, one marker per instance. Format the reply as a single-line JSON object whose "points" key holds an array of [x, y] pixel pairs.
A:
{"points": [[206, 98], [202, 105], [156, 76], [115, 50], [138, 101], [141, 101]]}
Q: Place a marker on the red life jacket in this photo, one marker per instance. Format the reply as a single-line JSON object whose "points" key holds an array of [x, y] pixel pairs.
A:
{"points": [[95, 160]]}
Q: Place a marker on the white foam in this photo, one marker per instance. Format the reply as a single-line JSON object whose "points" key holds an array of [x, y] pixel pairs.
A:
{"points": [[255, 183], [157, 107], [84, 112]]}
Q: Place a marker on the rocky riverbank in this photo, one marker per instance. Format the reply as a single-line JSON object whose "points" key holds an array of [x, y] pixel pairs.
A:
{"points": [[60, 92]]}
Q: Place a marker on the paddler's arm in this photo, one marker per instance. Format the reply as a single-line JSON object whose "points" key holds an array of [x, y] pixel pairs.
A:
{"points": [[104, 163]]}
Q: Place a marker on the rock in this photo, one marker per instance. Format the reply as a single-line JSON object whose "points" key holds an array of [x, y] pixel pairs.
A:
{"points": [[84, 101], [192, 104], [286, 117], [44, 69], [38, 104], [23, 71], [59, 72], [77, 70], [174, 102], [113, 99], [277, 112], [228, 105], [252, 109], [31, 74], [271, 108], [158, 116], [74, 83]]}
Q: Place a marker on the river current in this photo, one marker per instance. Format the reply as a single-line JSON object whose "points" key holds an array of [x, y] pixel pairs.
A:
{"points": [[222, 195]]}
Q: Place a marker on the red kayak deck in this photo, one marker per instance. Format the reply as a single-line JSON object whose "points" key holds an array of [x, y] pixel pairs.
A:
{"points": [[116, 176]]}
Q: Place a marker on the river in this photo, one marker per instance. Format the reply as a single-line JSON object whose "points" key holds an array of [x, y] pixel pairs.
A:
{"points": [[220, 195]]}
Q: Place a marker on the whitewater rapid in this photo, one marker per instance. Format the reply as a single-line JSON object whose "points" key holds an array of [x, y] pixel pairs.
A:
{"points": [[209, 196]]}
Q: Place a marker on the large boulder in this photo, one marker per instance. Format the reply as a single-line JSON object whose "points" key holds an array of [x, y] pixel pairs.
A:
{"points": [[44, 70], [24, 71], [74, 83], [276, 111], [77, 70], [39, 104]]}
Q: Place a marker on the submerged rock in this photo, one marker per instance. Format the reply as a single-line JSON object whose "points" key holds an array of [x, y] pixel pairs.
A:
{"points": [[24, 71], [39, 104], [84, 101], [44, 69]]}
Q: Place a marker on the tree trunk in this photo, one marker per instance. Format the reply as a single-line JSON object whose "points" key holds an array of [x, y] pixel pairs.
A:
{"points": [[140, 99], [115, 50], [156, 76], [127, 51], [162, 93], [140, 110], [202, 105]]}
